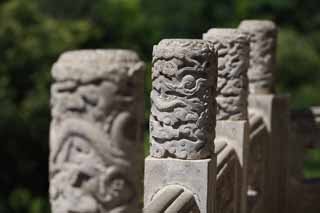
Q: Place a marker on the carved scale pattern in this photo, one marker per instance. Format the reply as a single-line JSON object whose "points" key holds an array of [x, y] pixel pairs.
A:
{"points": [[182, 117], [233, 62]]}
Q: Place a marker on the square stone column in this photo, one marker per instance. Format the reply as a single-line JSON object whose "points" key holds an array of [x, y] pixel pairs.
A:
{"points": [[232, 145], [232, 115], [197, 176], [274, 110], [180, 172], [257, 164]]}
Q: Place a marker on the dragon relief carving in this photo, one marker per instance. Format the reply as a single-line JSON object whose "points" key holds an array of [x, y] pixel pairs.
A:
{"points": [[182, 116], [263, 41], [96, 145], [233, 62]]}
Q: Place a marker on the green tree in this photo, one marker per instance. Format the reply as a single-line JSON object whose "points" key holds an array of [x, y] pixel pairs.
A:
{"points": [[30, 42]]}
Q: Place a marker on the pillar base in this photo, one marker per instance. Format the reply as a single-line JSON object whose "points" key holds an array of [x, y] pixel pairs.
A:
{"points": [[198, 176]]}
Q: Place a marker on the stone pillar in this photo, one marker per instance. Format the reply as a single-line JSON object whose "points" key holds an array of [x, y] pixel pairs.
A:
{"points": [[233, 61], [232, 126], [182, 121], [263, 41], [257, 164], [303, 193], [273, 109], [96, 137], [182, 97]]}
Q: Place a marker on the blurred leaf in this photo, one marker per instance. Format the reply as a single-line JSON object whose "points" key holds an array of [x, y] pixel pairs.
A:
{"points": [[298, 68]]}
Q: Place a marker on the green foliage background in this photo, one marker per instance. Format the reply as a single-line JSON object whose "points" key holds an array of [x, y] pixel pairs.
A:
{"points": [[34, 32]]}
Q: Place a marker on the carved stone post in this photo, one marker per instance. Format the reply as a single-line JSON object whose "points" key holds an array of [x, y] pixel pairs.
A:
{"points": [[232, 127], [303, 193], [96, 137], [263, 37], [182, 124], [268, 113]]}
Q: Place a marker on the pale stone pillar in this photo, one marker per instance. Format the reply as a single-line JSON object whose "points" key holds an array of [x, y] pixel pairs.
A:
{"points": [[263, 41], [96, 137], [232, 126], [182, 123], [268, 187], [182, 97], [233, 62], [273, 110]]}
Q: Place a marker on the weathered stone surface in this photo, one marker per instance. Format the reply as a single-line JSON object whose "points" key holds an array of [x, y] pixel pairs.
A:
{"points": [[182, 116], [231, 148], [196, 176], [96, 138], [232, 128], [228, 183], [274, 111], [172, 198], [263, 41], [233, 63], [257, 163]]}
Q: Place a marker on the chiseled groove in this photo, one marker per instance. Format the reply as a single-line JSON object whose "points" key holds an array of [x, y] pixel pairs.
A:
{"points": [[182, 204], [224, 156], [257, 127], [219, 145], [163, 199], [255, 121]]}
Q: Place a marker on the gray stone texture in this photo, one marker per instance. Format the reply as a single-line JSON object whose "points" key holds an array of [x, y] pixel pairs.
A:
{"points": [[274, 111], [172, 198], [227, 198], [182, 116], [196, 176], [232, 128], [231, 148], [96, 137], [263, 41], [257, 163], [233, 63]]}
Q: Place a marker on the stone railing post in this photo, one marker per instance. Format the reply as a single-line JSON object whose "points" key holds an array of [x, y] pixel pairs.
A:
{"points": [[263, 42], [96, 137], [303, 192], [269, 112], [232, 126], [182, 166]]}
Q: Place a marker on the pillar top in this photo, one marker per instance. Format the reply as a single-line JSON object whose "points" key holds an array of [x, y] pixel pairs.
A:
{"points": [[225, 34], [258, 25], [89, 65], [180, 48]]}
